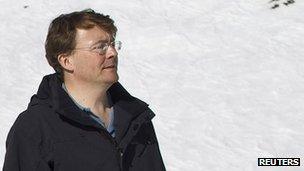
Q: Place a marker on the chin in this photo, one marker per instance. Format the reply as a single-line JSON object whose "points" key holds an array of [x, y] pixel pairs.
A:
{"points": [[111, 80]]}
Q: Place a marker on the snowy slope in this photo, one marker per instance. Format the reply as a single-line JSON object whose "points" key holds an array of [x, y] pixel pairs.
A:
{"points": [[225, 78]]}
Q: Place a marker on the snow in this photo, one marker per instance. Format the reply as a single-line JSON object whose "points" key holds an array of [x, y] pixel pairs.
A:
{"points": [[225, 78]]}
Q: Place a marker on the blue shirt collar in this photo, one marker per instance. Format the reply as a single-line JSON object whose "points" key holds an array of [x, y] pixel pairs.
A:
{"points": [[110, 127]]}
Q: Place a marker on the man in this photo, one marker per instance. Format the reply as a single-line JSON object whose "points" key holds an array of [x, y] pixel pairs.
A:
{"points": [[81, 118]]}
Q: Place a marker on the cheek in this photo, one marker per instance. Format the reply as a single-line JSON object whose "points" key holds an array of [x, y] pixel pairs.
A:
{"points": [[89, 63], [100, 61], [95, 60]]}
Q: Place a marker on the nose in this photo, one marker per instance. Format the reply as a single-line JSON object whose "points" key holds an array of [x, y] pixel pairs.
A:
{"points": [[111, 52]]}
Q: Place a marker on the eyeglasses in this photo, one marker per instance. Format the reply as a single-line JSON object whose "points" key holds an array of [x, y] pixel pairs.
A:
{"points": [[101, 48]]}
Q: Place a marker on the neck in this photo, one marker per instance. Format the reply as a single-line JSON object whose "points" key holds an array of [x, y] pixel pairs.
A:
{"points": [[88, 95]]}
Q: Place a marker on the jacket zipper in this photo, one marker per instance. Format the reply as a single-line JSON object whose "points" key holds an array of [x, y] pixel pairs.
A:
{"points": [[119, 151]]}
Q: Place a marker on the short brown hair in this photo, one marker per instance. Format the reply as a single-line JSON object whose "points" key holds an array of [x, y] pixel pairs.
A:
{"points": [[62, 32]]}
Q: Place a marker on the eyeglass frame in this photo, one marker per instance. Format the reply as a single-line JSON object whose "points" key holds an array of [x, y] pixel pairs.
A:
{"points": [[102, 51]]}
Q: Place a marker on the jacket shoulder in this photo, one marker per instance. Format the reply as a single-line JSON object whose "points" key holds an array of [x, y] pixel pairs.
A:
{"points": [[25, 126], [28, 123]]}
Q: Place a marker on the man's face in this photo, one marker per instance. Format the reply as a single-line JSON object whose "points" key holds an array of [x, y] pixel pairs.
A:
{"points": [[91, 66]]}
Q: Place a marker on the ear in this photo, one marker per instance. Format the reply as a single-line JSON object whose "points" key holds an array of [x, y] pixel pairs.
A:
{"points": [[66, 62]]}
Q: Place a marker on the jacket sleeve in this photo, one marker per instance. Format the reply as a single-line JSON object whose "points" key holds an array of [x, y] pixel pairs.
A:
{"points": [[23, 148], [159, 164]]}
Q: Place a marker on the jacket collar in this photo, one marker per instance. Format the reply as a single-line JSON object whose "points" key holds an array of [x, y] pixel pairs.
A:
{"points": [[126, 107]]}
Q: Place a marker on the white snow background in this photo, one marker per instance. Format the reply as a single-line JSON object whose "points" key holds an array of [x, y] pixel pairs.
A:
{"points": [[225, 78]]}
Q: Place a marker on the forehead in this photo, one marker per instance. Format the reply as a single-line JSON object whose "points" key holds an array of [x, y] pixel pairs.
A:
{"points": [[92, 35]]}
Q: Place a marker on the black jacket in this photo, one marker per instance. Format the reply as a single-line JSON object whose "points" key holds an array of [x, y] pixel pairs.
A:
{"points": [[54, 134]]}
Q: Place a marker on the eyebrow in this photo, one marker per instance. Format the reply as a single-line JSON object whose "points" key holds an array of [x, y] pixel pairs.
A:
{"points": [[103, 41], [100, 41]]}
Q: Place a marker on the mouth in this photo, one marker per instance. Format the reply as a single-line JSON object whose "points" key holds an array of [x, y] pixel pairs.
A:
{"points": [[109, 67]]}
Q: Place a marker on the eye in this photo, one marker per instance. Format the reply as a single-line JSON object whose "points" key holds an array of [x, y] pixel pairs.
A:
{"points": [[101, 46]]}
